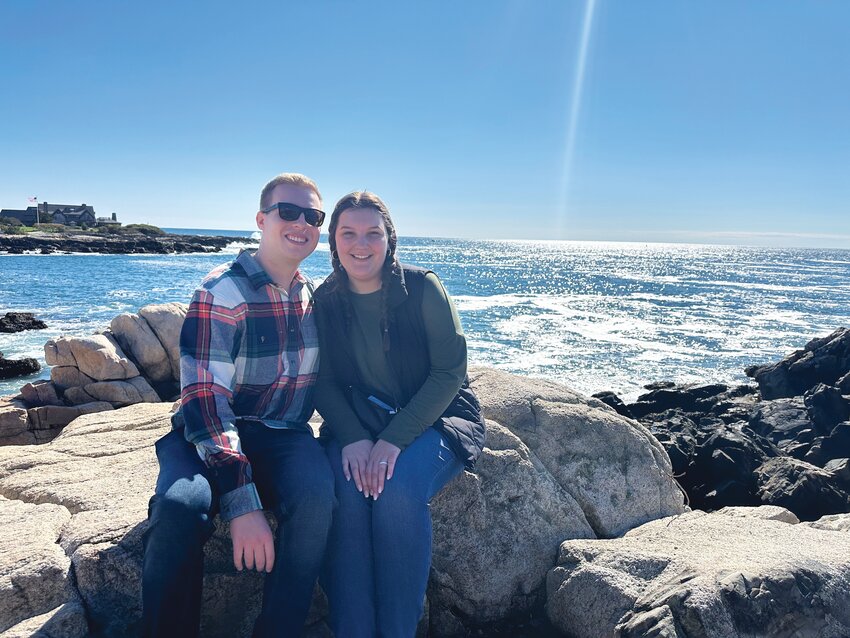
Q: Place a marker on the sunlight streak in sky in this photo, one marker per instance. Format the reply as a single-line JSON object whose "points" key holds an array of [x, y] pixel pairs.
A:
{"points": [[575, 108]]}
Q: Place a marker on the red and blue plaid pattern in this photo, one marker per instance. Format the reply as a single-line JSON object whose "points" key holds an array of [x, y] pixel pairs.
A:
{"points": [[248, 350]]}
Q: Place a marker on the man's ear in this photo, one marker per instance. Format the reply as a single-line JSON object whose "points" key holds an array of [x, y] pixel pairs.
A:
{"points": [[261, 220]]}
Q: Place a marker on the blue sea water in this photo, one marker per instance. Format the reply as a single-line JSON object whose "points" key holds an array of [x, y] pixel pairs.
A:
{"points": [[593, 315]]}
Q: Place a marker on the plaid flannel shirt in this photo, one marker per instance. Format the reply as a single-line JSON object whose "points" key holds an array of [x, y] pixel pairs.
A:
{"points": [[248, 351]]}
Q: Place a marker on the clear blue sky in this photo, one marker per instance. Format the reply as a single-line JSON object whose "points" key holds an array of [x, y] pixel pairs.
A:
{"points": [[722, 121]]}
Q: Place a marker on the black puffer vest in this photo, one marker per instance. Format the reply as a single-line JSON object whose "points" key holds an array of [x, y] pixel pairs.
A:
{"points": [[461, 422]]}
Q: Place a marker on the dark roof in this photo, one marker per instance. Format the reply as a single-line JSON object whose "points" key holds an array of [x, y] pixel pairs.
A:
{"points": [[25, 216], [66, 208]]}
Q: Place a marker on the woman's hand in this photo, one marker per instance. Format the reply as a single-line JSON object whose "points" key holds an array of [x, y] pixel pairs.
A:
{"points": [[355, 458], [380, 467]]}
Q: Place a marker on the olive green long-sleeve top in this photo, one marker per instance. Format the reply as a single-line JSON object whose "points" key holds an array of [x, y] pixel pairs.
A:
{"points": [[447, 350]]}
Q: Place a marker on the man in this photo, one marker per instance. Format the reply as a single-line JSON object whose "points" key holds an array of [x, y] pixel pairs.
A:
{"points": [[240, 442]]}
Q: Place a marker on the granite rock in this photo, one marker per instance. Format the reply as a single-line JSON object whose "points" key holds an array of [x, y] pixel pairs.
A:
{"points": [[619, 474], [122, 393], [511, 513], [704, 575], [34, 570], [68, 376], [496, 533], [166, 321], [97, 356], [136, 338], [50, 417], [41, 393], [14, 423]]}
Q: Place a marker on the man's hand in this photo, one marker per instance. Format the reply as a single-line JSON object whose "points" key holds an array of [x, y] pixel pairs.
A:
{"points": [[355, 457], [253, 541], [381, 464]]}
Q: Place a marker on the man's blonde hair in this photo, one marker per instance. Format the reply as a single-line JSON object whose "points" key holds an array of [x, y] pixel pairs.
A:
{"points": [[296, 179]]}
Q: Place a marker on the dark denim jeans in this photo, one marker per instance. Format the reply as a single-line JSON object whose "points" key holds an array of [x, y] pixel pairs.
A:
{"points": [[379, 552], [294, 480]]}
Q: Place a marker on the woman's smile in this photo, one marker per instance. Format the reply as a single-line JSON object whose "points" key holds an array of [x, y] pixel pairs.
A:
{"points": [[361, 243]]}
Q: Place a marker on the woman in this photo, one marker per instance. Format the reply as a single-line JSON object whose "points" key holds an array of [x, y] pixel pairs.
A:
{"points": [[403, 421]]}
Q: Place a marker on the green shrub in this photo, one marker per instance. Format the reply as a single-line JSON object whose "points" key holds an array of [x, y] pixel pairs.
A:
{"points": [[144, 229], [10, 221]]}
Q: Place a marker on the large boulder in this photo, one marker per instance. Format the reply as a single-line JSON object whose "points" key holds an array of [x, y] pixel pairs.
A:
{"points": [[57, 352], [805, 489], [496, 532], [34, 571], [97, 356], [102, 470], [68, 376], [823, 360], [122, 393], [617, 472], [704, 575], [41, 393], [827, 406], [166, 321], [511, 513], [785, 422], [136, 337]]}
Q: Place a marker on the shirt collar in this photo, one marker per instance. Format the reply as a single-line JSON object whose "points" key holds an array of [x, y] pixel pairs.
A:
{"points": [[257, 276]]}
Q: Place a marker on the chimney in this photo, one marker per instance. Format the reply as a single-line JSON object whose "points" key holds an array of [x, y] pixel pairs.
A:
{"points": [[114, 217]]}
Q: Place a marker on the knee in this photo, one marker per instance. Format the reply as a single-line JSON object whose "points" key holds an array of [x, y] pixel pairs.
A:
{"points": [[179, 520], [399, 499]]}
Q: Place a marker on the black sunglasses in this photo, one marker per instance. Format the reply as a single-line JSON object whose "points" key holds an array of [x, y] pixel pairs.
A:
{"points": [[290, 212]]}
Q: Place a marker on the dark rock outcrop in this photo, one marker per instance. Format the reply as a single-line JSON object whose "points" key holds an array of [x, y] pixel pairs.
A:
{"points": [[807, 490], [116, 245], [824, 360], [769, 444], [20, 321], [12, 368]]}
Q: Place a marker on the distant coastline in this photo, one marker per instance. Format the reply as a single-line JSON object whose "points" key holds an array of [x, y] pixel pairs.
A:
{"points": [[126, 243]]}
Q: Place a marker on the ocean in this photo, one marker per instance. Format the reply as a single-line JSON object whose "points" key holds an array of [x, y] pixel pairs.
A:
{"points": [[593, 315]]}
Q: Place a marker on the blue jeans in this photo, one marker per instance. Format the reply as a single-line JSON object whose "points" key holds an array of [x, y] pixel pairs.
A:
{"points": [[379, 552], [294, 480]]}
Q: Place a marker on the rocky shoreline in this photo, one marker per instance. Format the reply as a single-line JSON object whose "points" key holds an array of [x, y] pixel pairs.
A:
{"points": [[784, 440], [125, 244], [574, 523]]}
